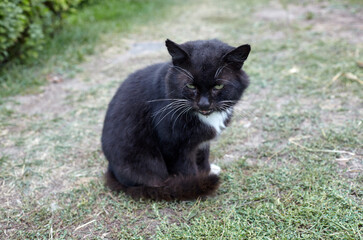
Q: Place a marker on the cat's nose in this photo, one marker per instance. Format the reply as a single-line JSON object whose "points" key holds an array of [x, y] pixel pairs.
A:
{"points": [[203, 103]]}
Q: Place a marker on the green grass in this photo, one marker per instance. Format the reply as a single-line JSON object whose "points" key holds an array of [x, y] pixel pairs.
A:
{"points": [[307, 199], [77, 39], [292, 159]]}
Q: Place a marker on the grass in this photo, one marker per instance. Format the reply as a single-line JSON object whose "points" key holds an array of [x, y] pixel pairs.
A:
{"points": [[78, 38], [292, 158]]}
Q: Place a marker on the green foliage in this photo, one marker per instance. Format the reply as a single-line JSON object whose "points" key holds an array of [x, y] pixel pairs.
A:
{"points": [[12, 24], [24, 25], [78, 37]]}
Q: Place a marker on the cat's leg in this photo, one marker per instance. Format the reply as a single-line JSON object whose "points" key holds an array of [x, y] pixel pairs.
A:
{"points": [[203, 161], [144, 169], [203, 158], [185, 163]]}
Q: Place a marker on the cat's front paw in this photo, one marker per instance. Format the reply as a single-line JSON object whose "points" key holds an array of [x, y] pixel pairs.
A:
{"points": [[214, 169]]}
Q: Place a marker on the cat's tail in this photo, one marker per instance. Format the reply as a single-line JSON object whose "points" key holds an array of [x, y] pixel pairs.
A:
{"points": [[174, 188]]}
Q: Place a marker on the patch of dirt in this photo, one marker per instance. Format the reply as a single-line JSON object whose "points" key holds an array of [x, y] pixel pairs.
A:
{"points": [[52, 98], [320, 17], [338, 111], [351, 166]]}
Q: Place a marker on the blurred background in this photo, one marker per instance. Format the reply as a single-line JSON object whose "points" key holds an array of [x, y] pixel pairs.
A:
{"points": [[42, 40]]}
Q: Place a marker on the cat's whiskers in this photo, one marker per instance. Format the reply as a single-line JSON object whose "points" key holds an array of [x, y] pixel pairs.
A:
{"points": [[163, 118], [167, 99], [183, 71], [165, 108], [179, 105], [172, 110], [240, 112], [168, 105], [225, 105], [220, 69], [180, 108], [168, 113], [227, 82], [187, 109], [224, 101], [162, 110], [244, 114], [223, 108]]}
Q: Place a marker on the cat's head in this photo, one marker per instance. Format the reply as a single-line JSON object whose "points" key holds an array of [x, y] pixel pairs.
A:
{"points": [[207, 73]]}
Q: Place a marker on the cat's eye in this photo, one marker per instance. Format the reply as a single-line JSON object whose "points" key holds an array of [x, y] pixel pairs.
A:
{"points": [[218, 87], [191, 86]]}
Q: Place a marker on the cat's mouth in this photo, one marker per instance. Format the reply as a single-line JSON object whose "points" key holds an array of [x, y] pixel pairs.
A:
{"points": [[205, 112]]}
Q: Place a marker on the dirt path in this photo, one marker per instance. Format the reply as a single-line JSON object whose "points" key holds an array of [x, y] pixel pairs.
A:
{"points": [[50, 142]]}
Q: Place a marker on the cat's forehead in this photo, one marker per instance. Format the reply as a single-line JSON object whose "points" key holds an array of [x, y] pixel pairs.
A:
{"points": [[205, 56], [206, 52]]}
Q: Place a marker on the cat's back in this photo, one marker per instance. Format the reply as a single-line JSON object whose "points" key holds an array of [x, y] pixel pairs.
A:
{"points": [[131, 100], [144, 83]]}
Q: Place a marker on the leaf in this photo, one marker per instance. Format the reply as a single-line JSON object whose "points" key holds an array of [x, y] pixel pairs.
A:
{"points": [[353, 77]]}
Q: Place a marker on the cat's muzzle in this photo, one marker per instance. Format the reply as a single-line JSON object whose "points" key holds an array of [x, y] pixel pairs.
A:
{"points": [[205, 112]]}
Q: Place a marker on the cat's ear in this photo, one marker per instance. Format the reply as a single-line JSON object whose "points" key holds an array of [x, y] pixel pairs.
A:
{"points": [[237, 56], [178, 55]]}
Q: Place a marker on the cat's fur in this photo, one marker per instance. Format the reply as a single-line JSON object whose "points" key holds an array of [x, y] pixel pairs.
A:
{"points": [[159, 123]]}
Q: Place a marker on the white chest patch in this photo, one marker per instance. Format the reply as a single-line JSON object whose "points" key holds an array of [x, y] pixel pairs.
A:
{"points": [[216, 119]]}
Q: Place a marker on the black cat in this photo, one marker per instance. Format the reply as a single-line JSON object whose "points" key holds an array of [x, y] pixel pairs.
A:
{"points": [[159, 123]]}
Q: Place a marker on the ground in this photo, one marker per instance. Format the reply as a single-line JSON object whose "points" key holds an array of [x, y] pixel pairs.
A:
{"points": [[292, 159]]}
